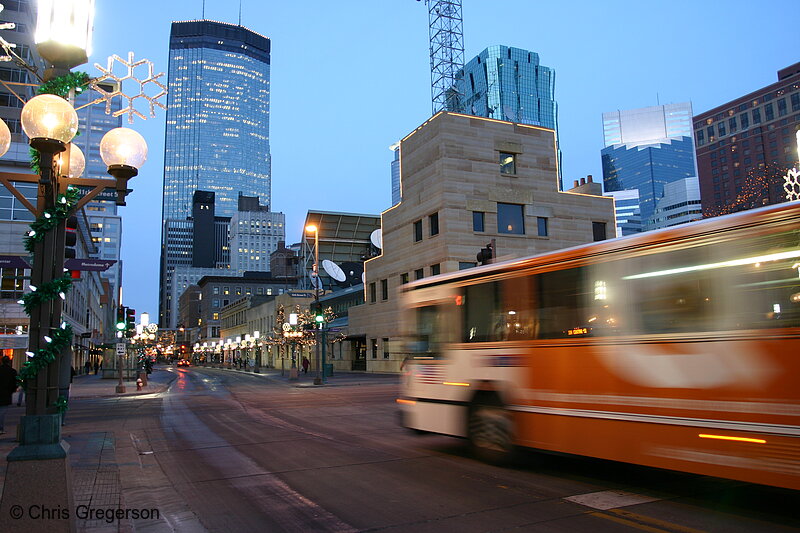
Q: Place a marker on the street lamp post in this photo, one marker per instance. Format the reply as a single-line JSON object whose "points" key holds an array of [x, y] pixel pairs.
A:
{"points": [[316, 283], [257, 341]]}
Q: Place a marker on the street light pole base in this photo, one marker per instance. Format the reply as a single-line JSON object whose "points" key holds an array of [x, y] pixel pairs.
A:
{"points": [[317, 380], [120, 389], [293, 374]]}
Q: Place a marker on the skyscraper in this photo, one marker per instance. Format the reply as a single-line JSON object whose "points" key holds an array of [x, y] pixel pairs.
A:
{"points": [[647, 148], [217, 133], [509, 84]]}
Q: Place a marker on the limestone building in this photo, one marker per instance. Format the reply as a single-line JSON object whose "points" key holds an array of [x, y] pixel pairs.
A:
{"points": [[465, 181]]}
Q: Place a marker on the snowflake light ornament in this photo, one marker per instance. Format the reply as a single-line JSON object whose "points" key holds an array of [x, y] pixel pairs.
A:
{"points": [[108, 96], [792, 185]]}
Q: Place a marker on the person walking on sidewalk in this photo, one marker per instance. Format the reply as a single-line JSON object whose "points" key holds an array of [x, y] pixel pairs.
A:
{"points": [[305, 364], [96, 367], [87, 368], [8, 385]]}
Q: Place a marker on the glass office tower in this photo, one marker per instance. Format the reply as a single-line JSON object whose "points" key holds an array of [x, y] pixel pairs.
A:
{"points": [[645, 149], [217, 133], [508, 84]]}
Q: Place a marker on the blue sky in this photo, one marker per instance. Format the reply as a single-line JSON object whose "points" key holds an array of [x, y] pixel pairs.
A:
{"points": [[350, 78]]}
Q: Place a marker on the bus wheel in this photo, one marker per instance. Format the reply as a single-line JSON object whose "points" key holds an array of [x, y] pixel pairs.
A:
{"points": [[491, 433]]}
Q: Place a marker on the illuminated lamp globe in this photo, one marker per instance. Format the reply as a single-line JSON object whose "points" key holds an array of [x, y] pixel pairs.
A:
{"points": [[124, 151], [5, 138], [77, 162], [50, 117], [123, 146]]}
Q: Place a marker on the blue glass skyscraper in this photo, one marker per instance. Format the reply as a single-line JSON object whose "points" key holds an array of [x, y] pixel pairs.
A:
{"points": [[507, 84], [647, 148], [217, 133]]}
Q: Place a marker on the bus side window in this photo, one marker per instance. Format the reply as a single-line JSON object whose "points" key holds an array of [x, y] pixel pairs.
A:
{"points": [[563, 297], [517, 311], [481, 309]]}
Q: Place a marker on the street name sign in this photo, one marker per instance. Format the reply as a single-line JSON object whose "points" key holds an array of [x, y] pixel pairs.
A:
{"points": [[121, 348], [86, 263]]}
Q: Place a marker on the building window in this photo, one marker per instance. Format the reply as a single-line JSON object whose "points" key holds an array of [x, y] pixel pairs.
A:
{"points": [[434, 224], [226, 290], [260, 290], [404, 278], [215, 316], [419, 274], [384, 289], [374, 348], [417, 231], [744, 120], [541, 226], [463, 265], [12, 286], [436, 269], [507, 163], [701, 139], [238, 291], [385, 348], [215, 303], [478, 221], [769, 114], [372, 294], [756, 116], [216, 290], [599, 231], [510, 219], [732, 124]]}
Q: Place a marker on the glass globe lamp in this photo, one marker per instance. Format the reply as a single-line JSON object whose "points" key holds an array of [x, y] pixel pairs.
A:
{"points": [[49, 117], [123, 146], [5, 138], [124, 151], [77, 162]]}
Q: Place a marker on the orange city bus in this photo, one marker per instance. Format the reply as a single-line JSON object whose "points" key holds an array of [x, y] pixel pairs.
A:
{"points": [[677, 348]]}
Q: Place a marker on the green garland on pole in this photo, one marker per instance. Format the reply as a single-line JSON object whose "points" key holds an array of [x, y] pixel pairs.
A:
{"points": [[51, 219]]}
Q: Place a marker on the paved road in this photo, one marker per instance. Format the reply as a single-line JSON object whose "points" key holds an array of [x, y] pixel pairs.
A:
{"points": [[225, 451]]}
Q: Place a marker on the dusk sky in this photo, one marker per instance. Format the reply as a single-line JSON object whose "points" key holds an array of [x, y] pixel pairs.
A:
{"points": [[350, 78]]}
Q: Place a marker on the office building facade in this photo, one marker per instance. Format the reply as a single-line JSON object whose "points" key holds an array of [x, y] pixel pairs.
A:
{"points": [[217, 132], [679, 205], [645, 149], [745, 146], [626, 210], [254, 234]]}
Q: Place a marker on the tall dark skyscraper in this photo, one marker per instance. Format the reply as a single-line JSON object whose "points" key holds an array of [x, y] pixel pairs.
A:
{"points": [[217, 136]]}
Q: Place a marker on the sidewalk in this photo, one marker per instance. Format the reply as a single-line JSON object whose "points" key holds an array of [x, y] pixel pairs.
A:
{"points": [[94, 386]]}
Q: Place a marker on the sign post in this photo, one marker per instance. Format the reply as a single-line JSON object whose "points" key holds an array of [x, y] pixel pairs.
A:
{"points": [[121, 351]]}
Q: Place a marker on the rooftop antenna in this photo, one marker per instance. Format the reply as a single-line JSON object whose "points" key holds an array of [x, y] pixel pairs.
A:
{"points": [[204, 10], [446, 40], [240, 12]]}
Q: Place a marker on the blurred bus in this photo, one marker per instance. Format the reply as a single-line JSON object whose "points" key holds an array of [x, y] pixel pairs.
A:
{"points": [[677, 349]]}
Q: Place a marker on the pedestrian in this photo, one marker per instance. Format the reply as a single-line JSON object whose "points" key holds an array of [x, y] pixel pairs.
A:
{"points": [[20, 396], [8, 386], [305, 364], [88, 367], [96, 367]]}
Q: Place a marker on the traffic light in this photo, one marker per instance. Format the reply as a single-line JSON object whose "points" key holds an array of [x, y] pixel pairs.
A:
{"points": [[485, 255], [130, 321], [319, 319], [70, 241], [121, 325]]}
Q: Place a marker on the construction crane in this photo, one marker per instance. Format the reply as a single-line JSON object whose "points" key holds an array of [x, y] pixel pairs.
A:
{"points": [[446, 34]]}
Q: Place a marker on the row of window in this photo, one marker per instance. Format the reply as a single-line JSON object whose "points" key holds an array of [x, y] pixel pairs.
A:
{"points": [[433, 227], [742, 121], [374, 350]]}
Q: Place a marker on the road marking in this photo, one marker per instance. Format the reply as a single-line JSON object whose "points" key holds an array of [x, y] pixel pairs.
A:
{"points": [[610, 499], [645, 523]]}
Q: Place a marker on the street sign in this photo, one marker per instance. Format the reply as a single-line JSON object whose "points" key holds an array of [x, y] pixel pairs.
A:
{"points": [[97, 265], [13, 261], [87, 335], [121, 348], [108, 194]]}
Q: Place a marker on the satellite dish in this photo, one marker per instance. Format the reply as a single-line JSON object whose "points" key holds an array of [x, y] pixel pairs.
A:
{"points": [[376, 238], [316, 282], [363, 277], [509, 113], [352, 270], [333, 270]]}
